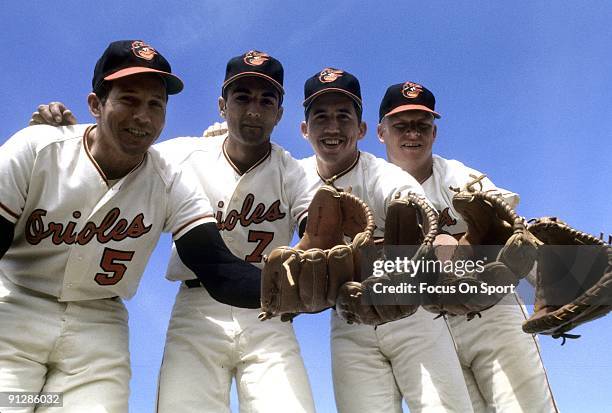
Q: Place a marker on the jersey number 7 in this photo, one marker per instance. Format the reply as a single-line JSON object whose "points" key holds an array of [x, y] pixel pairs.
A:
{"points": [[264, 238]]}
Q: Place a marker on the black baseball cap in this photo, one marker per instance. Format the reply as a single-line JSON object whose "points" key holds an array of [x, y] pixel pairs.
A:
{"points": [[129, 57], [254, 63], [407, 96], [331, 80]]}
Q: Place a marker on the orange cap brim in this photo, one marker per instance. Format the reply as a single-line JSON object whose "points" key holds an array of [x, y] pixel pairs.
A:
{"points": [[405, 108], [173, 83]]}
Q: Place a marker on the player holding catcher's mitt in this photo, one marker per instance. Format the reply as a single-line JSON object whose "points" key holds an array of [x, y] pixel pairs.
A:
{"points": [[410, 221], [306, 278], [491, 222], [574, 279]]}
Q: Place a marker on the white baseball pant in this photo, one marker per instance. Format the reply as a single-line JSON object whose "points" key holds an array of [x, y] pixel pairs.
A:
{"points": [[502, 365], [78, 348], [209, 343], [413, 357]]}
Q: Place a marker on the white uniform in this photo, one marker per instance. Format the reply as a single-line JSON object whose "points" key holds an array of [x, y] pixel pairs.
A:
{"points": [[208, 343], [413, 358], [501, 364], [80, 245]]}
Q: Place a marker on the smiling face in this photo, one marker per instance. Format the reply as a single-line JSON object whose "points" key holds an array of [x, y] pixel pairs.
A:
{"points": [[132, 116], [251, 107], [333, 129], [409, 138]]}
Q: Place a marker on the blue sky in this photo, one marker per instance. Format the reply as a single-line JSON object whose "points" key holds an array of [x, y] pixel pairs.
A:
{"points": [[524, 89]]}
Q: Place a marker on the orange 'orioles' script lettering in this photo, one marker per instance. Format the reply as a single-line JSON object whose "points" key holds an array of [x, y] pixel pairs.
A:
{"points": [[111, 228]]}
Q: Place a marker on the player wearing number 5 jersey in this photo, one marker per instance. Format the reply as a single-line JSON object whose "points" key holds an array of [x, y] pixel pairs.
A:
{"points": [[81, 209]]}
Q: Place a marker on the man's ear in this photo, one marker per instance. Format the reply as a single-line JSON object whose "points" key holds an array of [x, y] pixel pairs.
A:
{"points": [[222, 105], [379, 131], [279, 115], [363, 128], [94, 104], [435, 131], [304, 129]]}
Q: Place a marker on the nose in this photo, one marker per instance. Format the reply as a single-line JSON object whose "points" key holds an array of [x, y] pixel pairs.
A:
{"points": [[253, 111], [141, 115], [413, 129], [413, 132], [332, 125]]}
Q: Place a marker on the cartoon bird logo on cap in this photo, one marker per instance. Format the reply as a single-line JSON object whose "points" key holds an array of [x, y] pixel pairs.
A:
{"points": [[143, 50], [411, 90], [255, 58], [330, 74]]}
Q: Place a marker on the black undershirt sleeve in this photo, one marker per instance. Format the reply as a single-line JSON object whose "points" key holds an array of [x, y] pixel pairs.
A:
{"points": [[302, 227], [227, 278], [7, 231]]}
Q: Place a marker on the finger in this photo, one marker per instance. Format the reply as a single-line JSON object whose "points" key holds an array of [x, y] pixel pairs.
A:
{"points": [[56, 109], [36, 119], [69, 118], [46, 115]]}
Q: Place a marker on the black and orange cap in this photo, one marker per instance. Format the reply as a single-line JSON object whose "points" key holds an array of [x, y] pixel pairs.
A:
{"points": [[254, 63], [407, 96], [129, 57], [331, 80]]}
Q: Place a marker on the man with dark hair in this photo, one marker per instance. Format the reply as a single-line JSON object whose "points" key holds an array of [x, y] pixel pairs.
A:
{"points": [[259, 195], [412, 358], [81, 209]]}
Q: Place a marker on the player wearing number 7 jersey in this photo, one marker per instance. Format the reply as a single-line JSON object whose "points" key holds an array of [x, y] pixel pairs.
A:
{"points": [[81, 209], [258, 192]]}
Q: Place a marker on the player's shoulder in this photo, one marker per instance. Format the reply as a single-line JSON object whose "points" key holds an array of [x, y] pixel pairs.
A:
{"points": [[179, 149], [165, 161], [452, 168], [381, 168], [456, 174], [282, 156], [40, 137], [370, 161], [308, 163]]}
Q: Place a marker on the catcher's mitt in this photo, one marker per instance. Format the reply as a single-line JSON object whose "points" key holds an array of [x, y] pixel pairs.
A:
{"points": [[574, 278], [412, 222], [306, 279], [490, 222]]}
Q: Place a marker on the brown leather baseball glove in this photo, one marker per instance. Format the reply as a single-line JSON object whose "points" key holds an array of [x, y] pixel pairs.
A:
{"points": [[574, 279], [306, 278], [490, 222], [410, 222]]}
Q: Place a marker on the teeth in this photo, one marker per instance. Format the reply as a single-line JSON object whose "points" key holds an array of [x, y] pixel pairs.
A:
{"points": [[137, 132], [411, 145], [331, 141]]}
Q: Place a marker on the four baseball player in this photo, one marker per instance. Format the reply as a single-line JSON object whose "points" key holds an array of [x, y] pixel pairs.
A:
{"points": [[414, 358]]}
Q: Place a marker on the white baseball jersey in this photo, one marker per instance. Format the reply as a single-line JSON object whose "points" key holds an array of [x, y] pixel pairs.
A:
{"points": [[78, 237], [256, 211], [501, 365], [451, 173], [372, 179], [412, 358]]}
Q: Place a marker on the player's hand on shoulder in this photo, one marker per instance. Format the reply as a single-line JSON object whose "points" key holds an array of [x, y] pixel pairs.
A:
{"points": [[54, 114], [216, 129]]}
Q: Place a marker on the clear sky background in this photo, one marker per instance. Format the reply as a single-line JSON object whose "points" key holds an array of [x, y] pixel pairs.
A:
{"points": [[524, 89]]}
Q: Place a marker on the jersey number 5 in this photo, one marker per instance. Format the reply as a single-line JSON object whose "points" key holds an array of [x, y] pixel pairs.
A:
{"points": [[264, 238], [110, 263]]}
